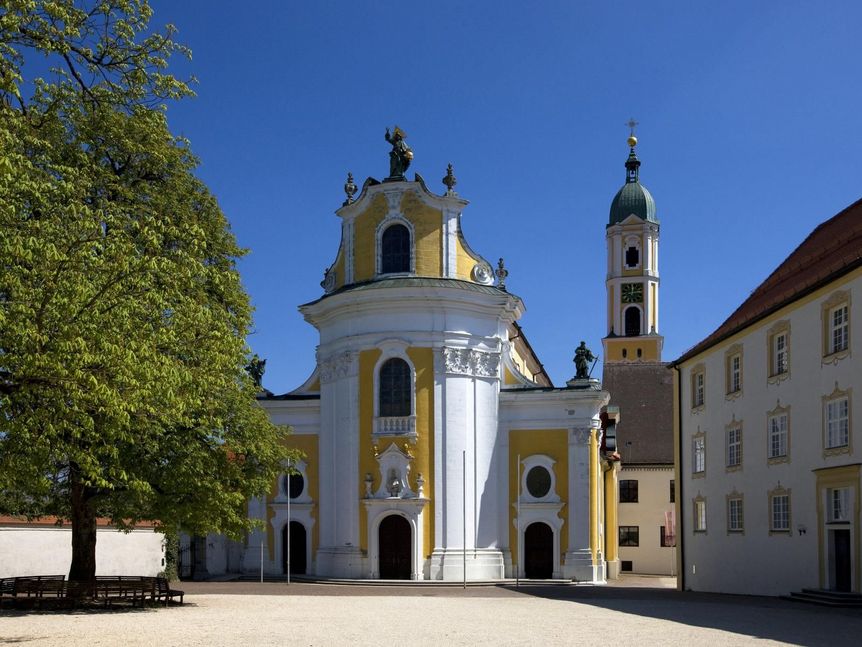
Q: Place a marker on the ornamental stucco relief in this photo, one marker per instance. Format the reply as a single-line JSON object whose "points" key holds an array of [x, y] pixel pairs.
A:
{"points": [[465, 361], [338, 366]]}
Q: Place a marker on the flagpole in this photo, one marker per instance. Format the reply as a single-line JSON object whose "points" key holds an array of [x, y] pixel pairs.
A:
{"points": [[288, 530], [464, 491], [518, 534]]}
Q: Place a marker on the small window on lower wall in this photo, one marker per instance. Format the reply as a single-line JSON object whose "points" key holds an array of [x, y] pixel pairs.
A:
{"points": [[629, 536], [626, 565]]}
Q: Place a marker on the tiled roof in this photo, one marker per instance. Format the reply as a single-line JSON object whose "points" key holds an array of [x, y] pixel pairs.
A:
{"points": [[830, 251]]}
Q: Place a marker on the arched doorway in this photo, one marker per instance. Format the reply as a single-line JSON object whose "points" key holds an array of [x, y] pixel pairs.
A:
{"points": [[395, 541], [538, 551], [297, 548]]}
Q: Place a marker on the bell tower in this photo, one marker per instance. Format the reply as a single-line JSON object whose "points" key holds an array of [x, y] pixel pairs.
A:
{"points": [[632, 281]]}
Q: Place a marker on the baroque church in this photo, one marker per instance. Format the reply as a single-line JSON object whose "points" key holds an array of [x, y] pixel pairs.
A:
{"points": [[433, 439], [435, 445]]}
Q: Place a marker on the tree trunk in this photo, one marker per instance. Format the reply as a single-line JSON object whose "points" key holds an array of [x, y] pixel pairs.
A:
{"points": [[83, 518]]}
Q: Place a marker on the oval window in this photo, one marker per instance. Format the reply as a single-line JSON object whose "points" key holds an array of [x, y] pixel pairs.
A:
{"points": [[538, 482], [294, 484]]}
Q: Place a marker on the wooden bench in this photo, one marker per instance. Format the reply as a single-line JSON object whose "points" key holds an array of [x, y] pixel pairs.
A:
{"points": [[31, 589], [165, 592]]}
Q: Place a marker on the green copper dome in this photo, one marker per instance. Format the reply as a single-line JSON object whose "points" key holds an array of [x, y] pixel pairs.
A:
{"points": [[633, 197]]}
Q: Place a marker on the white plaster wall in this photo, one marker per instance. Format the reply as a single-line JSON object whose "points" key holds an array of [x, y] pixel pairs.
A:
{"points": [[649, 515], [754, 561], [48, 551]]}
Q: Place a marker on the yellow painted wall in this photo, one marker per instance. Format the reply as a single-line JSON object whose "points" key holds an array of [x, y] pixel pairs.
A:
{"points": [[367, 462], [364, 239], [527, 442], [649, 346], [339, 267], [308, 445], [509, 378], [427, 232], [422, 450]]}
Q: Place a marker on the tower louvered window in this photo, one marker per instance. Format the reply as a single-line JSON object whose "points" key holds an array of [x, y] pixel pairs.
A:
{"points": [[395, 250], [395, 386], [633, 321]]}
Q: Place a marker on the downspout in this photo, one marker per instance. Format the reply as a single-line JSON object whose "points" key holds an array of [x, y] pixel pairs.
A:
{"points": [[678, 497]]}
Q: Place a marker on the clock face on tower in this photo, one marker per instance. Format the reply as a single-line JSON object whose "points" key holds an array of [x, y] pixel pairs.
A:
{"points": [[632, 293]]}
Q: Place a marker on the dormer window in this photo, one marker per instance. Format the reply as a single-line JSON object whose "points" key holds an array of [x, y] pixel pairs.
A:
{"points": [[395, 250]]}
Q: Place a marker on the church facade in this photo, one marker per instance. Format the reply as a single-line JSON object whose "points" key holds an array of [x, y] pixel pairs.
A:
{"points": [[435, 446]]}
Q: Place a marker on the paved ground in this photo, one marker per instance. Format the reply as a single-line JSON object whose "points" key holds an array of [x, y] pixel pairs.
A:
{"points": [[636, 611]]}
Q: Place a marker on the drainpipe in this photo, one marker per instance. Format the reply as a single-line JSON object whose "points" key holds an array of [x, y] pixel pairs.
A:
{"points": [[678, 495]]}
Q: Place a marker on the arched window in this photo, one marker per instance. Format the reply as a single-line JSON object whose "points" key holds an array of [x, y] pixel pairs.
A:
{"points": [[395, 384], [633, 321], [395, 250]]}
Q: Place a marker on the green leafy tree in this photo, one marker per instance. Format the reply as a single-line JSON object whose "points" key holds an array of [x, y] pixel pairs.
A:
{"points": [[123, 390]]}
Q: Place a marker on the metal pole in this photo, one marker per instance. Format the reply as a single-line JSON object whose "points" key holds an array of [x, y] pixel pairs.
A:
{"points": [[261, 559], [288, 534], [464, 491], [518, 534]]}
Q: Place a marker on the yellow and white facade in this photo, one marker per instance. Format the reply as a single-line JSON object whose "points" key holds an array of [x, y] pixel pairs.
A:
{"points": [[428, 422]]}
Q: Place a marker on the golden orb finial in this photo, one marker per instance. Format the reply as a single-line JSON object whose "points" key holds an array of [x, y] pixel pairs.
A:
{"points": [[632, 141]]}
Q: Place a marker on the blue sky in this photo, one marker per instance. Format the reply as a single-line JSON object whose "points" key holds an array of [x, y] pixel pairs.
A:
{"points": [[748, 137]]}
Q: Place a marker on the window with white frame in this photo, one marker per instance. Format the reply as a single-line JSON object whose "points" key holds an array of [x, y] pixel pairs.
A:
{"points": [[733, 369], [779, 353], [778, 433], [839, 505], [700, 514], [698, 388], [734, 514], [838, 422], [836, 326], [698, 450], [734, 446], [839, 329], [779, 511], [395, 249]]}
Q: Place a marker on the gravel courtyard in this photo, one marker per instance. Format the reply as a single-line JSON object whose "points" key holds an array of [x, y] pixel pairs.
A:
{"points": [[637, 612]]}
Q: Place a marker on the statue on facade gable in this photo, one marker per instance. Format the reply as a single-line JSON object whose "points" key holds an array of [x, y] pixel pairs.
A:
{"points": [[256, 367], [400, 156], [582, 359]]}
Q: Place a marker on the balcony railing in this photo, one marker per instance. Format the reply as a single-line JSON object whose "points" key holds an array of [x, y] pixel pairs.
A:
{"points": [[395, 426]]}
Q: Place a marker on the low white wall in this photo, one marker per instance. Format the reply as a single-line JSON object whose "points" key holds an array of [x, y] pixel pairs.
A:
{"points": [[48, 551]]}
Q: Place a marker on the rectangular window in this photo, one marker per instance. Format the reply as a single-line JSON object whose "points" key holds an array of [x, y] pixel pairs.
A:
{"points": [[734, 515], [839, 329], [779, 353], [629, 535], [838, 422], [777, 436], [734, 373], [672, 491], [662, 538], [700, 515], [628, 491], [697, 389], [699, 454], [734, 447], [839, 504], [780, 513]]}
